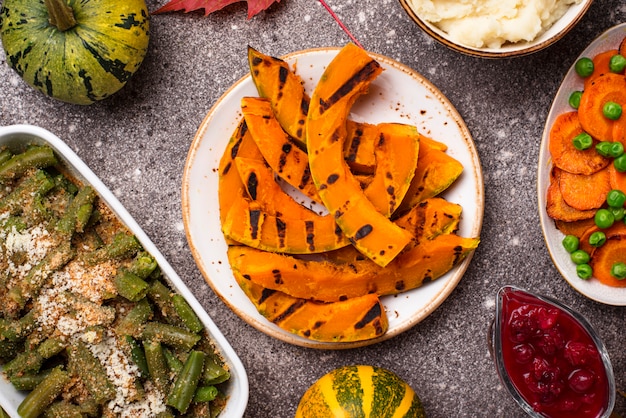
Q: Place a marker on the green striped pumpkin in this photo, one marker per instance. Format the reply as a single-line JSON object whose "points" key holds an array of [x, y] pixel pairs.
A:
{"points": [[77, 51], [360, 391]]}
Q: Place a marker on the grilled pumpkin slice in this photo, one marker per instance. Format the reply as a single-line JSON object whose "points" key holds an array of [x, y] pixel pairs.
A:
{"points": [[247, 223], [331, 282], [355, 319], [287, 160], [347, 76]]}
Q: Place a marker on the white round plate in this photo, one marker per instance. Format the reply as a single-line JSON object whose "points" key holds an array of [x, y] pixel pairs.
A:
{"points": [[593, 289], [399, 94]]}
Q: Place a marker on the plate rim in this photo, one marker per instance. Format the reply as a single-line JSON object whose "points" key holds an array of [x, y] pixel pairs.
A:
{"points": [[544, 165], [262, 324]]}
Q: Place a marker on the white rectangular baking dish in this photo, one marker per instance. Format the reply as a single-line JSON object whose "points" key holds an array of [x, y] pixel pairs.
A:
{"points": [[237, 390]]}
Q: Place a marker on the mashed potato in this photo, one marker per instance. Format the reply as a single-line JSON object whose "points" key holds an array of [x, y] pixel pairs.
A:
{"points": [[491, 23]]}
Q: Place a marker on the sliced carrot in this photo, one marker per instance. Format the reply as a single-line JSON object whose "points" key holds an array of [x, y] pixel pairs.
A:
{"points": [[600, 65], [617, 229], [565, 155], [584, 239], [576, 228], [619, 131], [617, 179], [613, 251], [556, 207], [608, 87], [585, 192]]}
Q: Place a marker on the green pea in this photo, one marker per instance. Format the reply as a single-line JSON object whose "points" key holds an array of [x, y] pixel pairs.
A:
{"points": [[584, 67], [604, 218], [612, 110], [618, 213], [574, 99], [618, 270], [604, 148], [582, 141], [616, 149], [617, 63], [580, 257], [597, 239], [584, 271], [620, 163], [570, 243], [616, 198]]}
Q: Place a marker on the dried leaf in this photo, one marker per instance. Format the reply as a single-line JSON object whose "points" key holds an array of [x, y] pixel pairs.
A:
{"points": [[210, 6]]}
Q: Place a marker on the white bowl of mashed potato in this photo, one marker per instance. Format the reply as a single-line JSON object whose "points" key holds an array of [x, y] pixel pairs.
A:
{"points": [[496, 28]]}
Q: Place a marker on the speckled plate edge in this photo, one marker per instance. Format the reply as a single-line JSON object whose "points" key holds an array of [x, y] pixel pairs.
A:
{"points": [[592, 289], [552, 35], [238, 389], [437, 118]]}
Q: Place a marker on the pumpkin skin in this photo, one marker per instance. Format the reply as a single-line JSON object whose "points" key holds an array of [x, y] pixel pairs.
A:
{"points": [[360, 391], [81, 65]]}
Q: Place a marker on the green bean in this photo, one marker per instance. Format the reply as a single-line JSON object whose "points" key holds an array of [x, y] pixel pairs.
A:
{"points": [[37, 184], [205, 394], [130, 286], [83, 363], [214, 370], [170, 335], [132, 323], [186, 314], [34, 157], [78, 211], [161, 295], [157, 365], [9, 349], [122, 246], [14, 330], [28, 381], [44, 394], [24, 363], [138, 355], [143, 265], [165, 414], [5, 155], [184, 387], [32, 360], [63, 409], [173, 363]]}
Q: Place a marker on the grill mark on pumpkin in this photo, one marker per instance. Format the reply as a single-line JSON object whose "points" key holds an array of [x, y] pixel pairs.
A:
{"points": [[265, 295], [254, 218], [306, 178], [281, 231], [363, 231], [290, 310], [282, 77], [363, 74], [278, 278], [309, 227], [373, 313], [251, 184]]}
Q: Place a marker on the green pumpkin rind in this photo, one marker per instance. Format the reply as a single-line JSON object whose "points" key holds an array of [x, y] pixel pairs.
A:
{"points": [[81, 65]]}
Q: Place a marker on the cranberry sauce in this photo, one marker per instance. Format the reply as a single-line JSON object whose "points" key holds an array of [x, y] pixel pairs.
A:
{"points": [[551, 359]]}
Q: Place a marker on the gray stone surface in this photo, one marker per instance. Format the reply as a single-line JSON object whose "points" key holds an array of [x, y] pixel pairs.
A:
{"points": [[137, 142]]}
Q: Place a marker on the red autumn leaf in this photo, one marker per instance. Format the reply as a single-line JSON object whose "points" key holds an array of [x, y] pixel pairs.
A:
{"points": [[210, 6]]}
